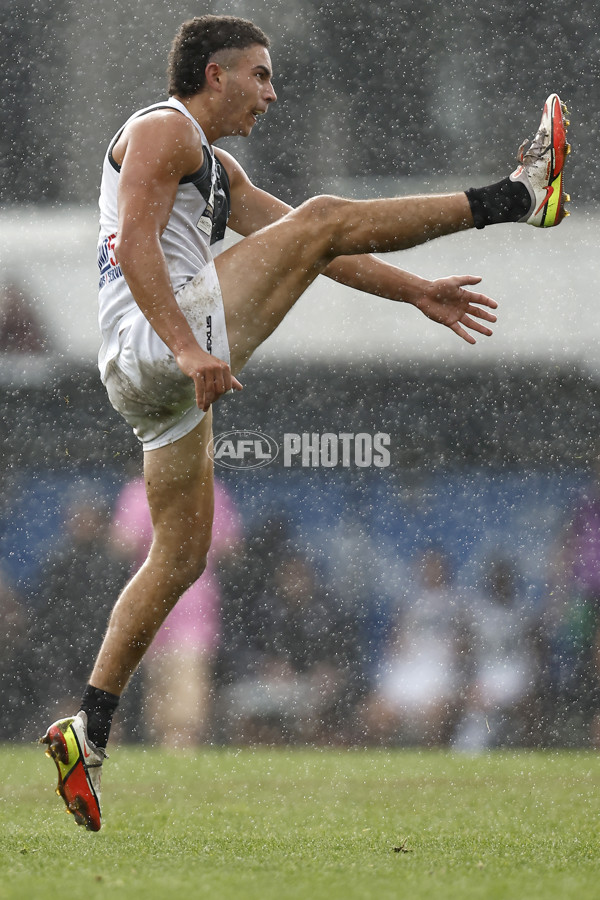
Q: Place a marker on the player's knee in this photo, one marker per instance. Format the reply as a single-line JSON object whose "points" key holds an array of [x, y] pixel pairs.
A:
{"points": [[189, 565], [196, 569], [325, 212], [182, 561]]}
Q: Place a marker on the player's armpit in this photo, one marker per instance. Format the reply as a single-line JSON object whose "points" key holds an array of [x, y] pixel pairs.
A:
{"points": [[251, 207]]}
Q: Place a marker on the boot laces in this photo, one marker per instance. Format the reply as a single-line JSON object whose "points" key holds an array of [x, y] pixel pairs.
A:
{"points": [[538, 147]]}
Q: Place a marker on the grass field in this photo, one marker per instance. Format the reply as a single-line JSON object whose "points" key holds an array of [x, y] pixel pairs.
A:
{"points": [[277, 823]]}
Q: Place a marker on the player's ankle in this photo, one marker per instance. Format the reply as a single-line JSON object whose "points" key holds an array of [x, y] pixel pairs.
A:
{"points": [[99, 707], [505, 201]]}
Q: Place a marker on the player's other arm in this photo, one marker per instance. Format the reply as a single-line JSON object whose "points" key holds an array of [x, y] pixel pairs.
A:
{"points": [[155, 152], [443, 300]]}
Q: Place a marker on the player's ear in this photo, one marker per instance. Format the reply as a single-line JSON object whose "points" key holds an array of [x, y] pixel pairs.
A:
{"points": [[214, 76]]}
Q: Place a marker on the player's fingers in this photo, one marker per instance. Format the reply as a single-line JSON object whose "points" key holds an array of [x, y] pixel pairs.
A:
{"points": [[231, 383], [467, 279], [468, 322], [219, 383], [482, 299], [481, 313], [200, 391], [460, 331], [212, 394]]}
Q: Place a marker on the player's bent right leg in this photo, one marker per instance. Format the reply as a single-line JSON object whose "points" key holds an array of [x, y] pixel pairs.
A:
{"points": [[179, 485], [180, 494]]}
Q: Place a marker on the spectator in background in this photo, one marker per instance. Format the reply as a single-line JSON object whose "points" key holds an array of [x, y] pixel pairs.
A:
{"points": [[503, 662], [572, 623], [244, 576], [75, 584], [20, 330], [366, 573], [178, 668], [418, 689], [298, 647], [15, 663]]}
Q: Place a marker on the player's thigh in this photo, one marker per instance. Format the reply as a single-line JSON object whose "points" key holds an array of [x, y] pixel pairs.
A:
{"points": [[179, 486], [263, 275]]}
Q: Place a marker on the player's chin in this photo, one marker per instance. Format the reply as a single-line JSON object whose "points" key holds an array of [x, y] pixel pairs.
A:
{"points": [[244, 130]]}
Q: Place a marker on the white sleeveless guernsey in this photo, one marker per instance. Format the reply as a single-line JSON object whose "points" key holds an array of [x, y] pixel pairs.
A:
{"points": [[192, 238]]}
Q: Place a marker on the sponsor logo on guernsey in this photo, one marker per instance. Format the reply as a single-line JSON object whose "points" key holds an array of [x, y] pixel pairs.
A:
{"points": [[205, 222], [110, 270], [209, 334]]}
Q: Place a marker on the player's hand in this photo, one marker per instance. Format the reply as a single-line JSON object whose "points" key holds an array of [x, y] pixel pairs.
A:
{"points": [[446, 301], [211, 376]]}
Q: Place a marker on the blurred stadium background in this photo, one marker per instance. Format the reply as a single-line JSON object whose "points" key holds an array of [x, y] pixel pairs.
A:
{"points": [[492, 448]]}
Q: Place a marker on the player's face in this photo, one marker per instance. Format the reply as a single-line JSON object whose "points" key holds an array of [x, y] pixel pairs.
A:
{"points": [[248, 90]]}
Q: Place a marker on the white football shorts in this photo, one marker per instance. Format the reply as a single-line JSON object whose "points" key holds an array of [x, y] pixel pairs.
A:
{"points": [[145, 384]]}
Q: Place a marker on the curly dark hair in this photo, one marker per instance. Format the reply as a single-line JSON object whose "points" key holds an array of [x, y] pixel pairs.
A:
{"points": [[198, 39]]}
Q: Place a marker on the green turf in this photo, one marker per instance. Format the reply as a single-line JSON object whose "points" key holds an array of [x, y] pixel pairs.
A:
{"points": [[311, 824]]}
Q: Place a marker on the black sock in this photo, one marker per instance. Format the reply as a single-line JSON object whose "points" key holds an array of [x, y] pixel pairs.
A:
{"points": [[99, 707], [505, 201]]}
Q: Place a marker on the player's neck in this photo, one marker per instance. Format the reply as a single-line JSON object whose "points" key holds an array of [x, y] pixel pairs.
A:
{"points": [[204, 108]]}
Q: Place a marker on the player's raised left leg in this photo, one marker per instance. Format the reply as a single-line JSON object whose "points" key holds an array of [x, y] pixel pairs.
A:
{"points": [[262, 276]]}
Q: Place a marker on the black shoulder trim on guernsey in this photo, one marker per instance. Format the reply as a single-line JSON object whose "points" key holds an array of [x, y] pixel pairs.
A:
{"points": [[202, 179], [222, 204], [116, 165], [111, 158], [223, 178], [200, 174]]}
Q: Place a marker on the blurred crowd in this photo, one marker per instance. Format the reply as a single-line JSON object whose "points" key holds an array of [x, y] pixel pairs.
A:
{"points": [[267, 647]]}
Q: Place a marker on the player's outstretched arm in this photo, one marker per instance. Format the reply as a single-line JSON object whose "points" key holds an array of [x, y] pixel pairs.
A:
{"points": [[443, 300], [446, 301]]}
